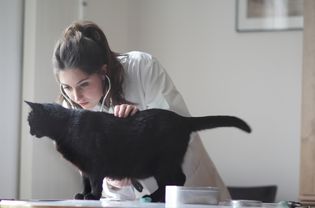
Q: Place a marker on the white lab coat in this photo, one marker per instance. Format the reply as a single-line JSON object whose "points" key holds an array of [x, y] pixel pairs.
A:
{"points": [[148, 86]]}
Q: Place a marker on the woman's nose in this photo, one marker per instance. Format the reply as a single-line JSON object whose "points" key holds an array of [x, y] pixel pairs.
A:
{"points": [[77, 95]]}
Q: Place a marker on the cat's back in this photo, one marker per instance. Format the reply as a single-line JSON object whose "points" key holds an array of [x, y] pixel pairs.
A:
{"points": [[159, 118], [156, 113], [142, 120]]}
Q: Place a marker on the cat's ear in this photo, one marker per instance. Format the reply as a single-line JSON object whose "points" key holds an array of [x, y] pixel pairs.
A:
{"points": [[32, 105]]}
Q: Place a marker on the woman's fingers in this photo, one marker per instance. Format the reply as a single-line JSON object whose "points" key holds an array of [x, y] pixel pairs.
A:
{"points": [[124, 110], [134, 111]]}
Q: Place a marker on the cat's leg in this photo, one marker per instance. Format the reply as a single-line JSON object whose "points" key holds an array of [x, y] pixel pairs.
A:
{"points": [[96, 188], [86, 188], [167, 176]]}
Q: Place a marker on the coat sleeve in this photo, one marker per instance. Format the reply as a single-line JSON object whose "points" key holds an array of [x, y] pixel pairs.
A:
{"points": [[159, 89]]}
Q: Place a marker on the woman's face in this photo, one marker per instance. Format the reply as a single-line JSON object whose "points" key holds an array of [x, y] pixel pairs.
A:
{"points": [[83, 89]]}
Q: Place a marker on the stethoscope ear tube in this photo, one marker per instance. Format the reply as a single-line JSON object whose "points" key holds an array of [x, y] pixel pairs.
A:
{"points": [[106, 94]]}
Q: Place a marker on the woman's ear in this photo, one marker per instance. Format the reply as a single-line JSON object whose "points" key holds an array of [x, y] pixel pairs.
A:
{"points": [[104, 68], [103, 71]]}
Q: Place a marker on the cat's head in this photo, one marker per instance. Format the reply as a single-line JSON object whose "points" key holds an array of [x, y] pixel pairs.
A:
{"points": [[45, 118]]}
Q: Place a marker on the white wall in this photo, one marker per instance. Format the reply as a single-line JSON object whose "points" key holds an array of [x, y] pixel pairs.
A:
{"points": [[256, 76], [11, 12]]}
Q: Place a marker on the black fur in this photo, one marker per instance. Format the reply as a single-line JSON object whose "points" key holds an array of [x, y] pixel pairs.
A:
{"points": [[150, 143]]}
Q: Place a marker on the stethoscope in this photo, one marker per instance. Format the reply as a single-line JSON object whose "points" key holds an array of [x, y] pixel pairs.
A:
{"points": [[103, 100]]}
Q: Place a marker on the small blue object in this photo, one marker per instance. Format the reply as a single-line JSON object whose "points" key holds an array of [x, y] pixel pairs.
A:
{"points": [[283, 204], [145, 199], [289, 204]]}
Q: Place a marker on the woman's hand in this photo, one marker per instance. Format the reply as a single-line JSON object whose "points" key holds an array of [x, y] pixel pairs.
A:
{"points": [[118, 183], [125, 110]]}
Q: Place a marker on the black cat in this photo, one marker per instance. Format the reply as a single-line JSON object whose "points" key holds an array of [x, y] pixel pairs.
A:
{"points": [[150, 143]]}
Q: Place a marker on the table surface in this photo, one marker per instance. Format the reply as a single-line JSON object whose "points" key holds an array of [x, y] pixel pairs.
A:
{"points": [[94, 203]]}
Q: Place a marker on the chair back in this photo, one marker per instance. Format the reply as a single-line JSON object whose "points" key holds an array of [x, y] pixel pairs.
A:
{"points": [[266, 194]]}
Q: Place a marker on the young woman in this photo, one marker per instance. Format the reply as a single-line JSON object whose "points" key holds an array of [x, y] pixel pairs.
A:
{"points": [[93, 77]]}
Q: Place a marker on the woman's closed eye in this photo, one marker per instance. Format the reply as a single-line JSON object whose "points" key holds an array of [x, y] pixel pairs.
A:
{"points": [[84, 84], [66, 88]]}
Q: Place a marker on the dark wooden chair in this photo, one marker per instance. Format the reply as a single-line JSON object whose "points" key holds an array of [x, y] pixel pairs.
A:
{"points": [[266, 194]]}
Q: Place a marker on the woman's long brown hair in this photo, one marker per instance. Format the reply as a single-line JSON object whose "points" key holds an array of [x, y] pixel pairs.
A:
{"points": [[84, 46]]}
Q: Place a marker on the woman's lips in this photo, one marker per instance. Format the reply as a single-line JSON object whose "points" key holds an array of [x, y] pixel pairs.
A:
{"points": [[84, 103]]}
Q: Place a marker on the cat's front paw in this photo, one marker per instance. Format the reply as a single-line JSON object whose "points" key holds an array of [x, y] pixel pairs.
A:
{"points": [[79, 196], [90, 197]]}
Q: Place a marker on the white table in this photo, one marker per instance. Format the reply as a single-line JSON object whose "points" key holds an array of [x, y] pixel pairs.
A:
{"points": [[100, 203]]}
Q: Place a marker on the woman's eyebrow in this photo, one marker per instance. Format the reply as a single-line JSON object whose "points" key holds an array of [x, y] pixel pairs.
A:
{"points": [[78, 83], [83, 80]]}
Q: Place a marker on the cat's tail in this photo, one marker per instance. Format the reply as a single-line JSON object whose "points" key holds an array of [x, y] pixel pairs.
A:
{"points": [[209, 122]]}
